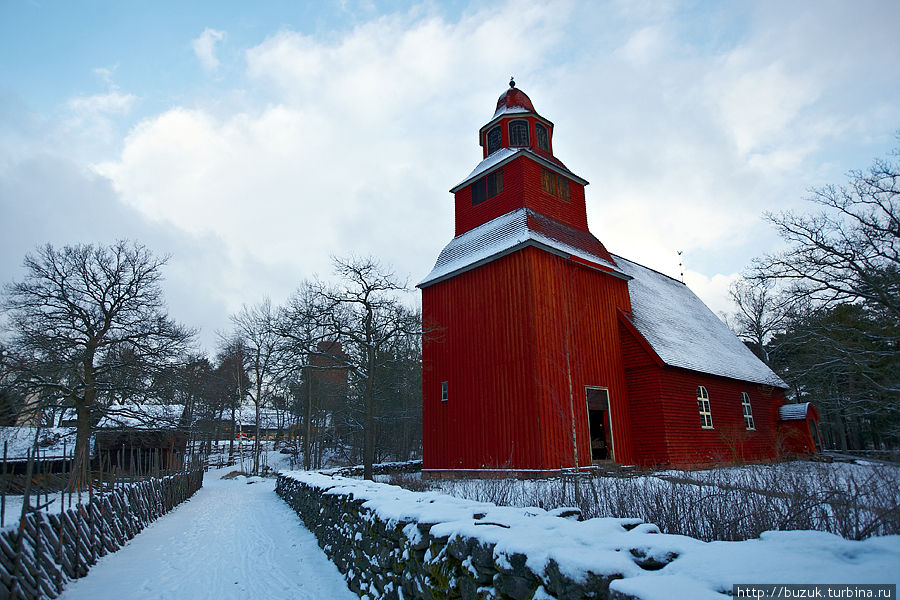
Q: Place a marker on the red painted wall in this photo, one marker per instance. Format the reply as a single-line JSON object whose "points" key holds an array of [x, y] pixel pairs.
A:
{"points": [[666, 419], [521, 187], [500, 338]]}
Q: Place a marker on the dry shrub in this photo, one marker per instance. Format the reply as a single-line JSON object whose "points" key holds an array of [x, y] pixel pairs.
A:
{"points": [[852, 501]]}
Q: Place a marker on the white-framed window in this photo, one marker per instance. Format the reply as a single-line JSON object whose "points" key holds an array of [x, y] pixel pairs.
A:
{"points": [[748, 410], [518, 132], [443, 391], [703, 405]]}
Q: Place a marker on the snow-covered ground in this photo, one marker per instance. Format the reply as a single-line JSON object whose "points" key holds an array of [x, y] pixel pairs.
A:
{"points": [[233, 539]]}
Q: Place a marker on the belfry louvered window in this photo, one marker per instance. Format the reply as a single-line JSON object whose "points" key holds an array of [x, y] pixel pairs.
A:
{"points": [[518, 132], [543, 137], [703, 405], [493, 140]]}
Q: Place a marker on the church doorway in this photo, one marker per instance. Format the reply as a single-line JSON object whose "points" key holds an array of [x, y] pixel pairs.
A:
{"points": [[599, 424]]}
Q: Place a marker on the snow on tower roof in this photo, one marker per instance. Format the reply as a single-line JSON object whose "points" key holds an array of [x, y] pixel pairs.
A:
{"points": [[684, 332], [514, 98], [509, 232], [505, 155]]}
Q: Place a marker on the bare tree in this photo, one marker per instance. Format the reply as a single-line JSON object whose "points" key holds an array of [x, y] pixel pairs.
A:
{"points": [[256, 328], [88, 324], [761, 313], [365, 313], [850, 250]]}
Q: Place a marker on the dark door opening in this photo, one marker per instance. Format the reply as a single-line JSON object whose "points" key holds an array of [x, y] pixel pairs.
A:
{"points": [[599, 424]]}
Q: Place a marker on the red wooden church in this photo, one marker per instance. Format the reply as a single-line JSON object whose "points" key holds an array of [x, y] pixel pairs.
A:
{"points": [[546, 350]]}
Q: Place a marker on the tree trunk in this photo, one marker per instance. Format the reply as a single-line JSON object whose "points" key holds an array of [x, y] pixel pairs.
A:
{"points": [[84, 426], [369, 426], [307, 434]]}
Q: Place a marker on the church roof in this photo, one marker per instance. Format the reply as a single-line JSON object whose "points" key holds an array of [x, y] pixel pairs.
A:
{"points": [[514, 98], [509, 232], [684, 332]]}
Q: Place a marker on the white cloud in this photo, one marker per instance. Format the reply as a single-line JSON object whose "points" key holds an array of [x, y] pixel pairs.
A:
{"points": [[348, 143], [112, 103], [205, 48], [350, 146]]}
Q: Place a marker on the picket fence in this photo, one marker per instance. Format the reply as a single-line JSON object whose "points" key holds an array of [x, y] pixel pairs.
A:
{"points": [[48, 549]]}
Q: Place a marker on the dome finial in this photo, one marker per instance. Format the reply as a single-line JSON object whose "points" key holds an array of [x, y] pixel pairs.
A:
{"points": [[512, 82]]}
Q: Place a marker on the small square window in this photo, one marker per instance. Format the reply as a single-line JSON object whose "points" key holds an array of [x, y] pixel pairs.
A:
{"points": [[443, 391]]}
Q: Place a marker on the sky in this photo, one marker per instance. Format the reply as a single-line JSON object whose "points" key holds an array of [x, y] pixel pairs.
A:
{"points": [[251, 142]]}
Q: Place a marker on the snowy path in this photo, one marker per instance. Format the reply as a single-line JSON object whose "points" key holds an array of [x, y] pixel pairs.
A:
{"points": [[230, 540]]}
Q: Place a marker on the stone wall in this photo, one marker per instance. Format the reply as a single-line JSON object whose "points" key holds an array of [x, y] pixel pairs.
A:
{"points": [[398, 558]]}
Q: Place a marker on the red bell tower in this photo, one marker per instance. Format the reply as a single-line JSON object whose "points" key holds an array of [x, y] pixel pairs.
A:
{"points": [[522, 367]]}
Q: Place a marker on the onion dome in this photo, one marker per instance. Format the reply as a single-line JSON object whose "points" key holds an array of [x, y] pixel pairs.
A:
{"points": [[514, 98]]}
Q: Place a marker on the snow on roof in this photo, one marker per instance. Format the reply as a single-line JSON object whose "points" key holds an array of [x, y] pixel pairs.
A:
{"points": [[794, 412], [135, 416], [268, 418], [684, 332], [53, 442], [604, 546], [504, 109], [509, 232], [505, 155]]}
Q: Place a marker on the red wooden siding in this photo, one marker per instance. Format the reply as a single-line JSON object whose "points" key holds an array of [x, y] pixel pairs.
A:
{"points": [[643, 382], [681, 440], [521, 187], [794, 437], [500, 342]]}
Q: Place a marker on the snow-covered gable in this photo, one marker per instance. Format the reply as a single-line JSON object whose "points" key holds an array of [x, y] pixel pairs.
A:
{"points": [[505, 155], [684, 332], [507, 233]]}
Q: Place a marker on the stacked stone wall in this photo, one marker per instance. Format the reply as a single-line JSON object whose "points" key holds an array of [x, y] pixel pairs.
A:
{"points": [[405, 560]]}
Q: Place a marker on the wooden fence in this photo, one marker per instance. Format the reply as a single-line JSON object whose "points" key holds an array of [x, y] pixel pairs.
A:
{"points": [[47, 549]]}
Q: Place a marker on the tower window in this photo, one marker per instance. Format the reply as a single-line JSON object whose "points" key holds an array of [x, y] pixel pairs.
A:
{"points": [[493, 140], [703, 405], [444, 394], [748, 411], [554, 184], [543, 137], [487, 187], [562, 188], [518, 132]]}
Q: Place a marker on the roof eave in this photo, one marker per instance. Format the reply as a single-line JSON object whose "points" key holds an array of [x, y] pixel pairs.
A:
{"points": [[513, 115], [506, 251], [521, 152]]}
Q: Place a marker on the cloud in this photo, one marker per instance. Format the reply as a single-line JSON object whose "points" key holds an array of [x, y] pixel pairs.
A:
{"points": [[113, 102], [205, 47], [347, 141], [48, 198], [350, 146]]}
